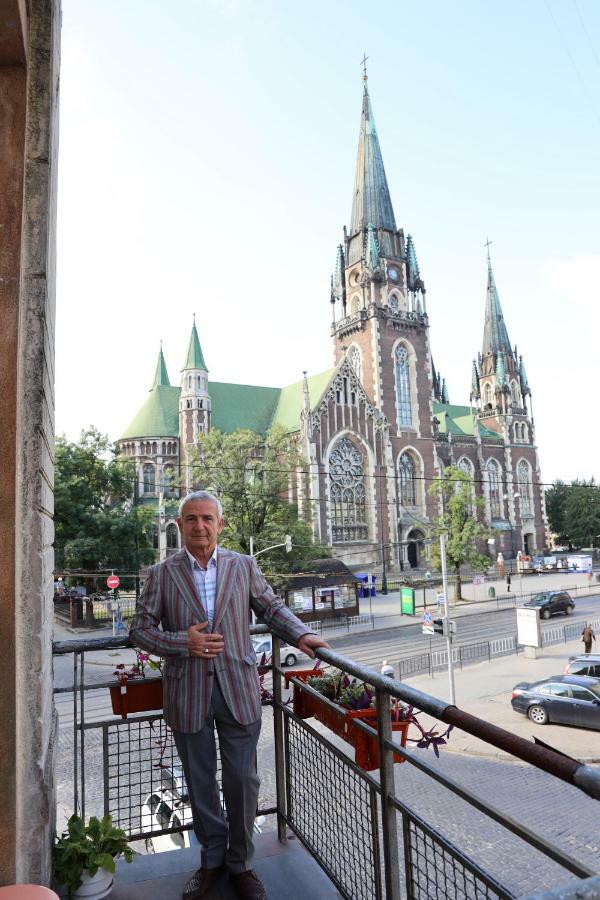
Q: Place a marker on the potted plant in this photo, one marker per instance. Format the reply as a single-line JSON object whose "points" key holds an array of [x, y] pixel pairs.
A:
{"points": [[84, 856], [133, 691], [356, 701]]}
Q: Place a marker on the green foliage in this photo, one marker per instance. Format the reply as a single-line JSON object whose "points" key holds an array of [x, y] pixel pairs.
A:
{"points": [[251, 475], [93, 846], [574, 512], [556, 499], [95, 523], [459, 524]]}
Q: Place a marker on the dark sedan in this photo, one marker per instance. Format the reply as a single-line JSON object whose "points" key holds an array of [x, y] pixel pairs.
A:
{"points": [[550, 603], [564, 699]]}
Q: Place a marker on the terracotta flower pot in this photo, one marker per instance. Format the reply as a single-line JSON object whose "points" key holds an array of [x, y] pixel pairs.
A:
{"points": [[365, 745], [136, 695]]}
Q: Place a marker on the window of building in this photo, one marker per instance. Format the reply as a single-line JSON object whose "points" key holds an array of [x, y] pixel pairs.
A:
{"points": [[407, 480], [494, 473], [347, 492], [525, 487], [403, 401], [149, 478], [487, 394], [355, 360], [172, 533], [154, 536], [465, 465], [169, 481]]}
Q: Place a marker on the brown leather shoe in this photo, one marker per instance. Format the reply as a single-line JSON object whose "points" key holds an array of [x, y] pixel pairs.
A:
{"points": [[248, 886], [200, 882]]}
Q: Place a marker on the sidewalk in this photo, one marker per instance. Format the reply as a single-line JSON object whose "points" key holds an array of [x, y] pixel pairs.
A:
{"points": [[484, 690]]}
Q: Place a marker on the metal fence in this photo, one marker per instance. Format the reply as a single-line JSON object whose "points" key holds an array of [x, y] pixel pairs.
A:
{"points": [[357, 826], [476, 652]]}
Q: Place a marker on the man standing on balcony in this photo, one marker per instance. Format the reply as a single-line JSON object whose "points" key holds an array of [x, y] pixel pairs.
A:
{"points": [[202, 597]]}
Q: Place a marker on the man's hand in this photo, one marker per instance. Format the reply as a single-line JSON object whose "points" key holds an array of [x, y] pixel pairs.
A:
{"points": [[202, 643], [308, 643]]}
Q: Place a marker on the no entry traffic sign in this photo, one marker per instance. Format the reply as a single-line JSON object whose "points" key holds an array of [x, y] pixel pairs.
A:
{"points": [[113, 581]]}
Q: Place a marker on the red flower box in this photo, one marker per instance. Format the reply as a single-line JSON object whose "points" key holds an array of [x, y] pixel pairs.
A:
{"points": [[366, 746], [133, 695]]}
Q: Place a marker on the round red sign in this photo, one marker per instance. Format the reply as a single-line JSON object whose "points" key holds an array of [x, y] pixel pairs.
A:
{"points": [[113, 581]]}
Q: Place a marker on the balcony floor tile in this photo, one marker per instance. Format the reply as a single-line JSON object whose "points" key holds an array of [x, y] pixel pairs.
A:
{"points": [[286, 870]]}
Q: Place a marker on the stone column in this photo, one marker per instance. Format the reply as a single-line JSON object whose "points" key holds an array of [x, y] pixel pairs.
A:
{"points": [[29, 59]]}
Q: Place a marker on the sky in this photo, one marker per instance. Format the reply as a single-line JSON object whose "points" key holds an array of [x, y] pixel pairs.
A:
{"points": [[207, 154]]}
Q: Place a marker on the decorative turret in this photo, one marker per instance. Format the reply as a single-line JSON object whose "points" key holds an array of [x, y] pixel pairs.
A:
{"points": [[161, 377], [371, 249], [525, 389], [475, 382], [339, 282], [194, 400]]}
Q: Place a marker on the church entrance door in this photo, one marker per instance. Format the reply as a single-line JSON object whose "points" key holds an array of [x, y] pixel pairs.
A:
{"points": [[414, 548]]}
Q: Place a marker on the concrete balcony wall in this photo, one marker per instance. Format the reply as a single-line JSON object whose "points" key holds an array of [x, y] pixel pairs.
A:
{"points": [[29, 61]]}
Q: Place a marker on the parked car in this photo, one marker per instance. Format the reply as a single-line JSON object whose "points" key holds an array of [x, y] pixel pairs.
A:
{"points": [[586, 664], [168, 807], [550, 603], [564, 699], [264, 645]]}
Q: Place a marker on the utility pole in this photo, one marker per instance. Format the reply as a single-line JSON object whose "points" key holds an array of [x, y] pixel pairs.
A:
{"points": [[136, 500], [447, 618]]}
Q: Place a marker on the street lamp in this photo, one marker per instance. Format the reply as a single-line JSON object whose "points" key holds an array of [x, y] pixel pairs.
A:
{"points": [[287, 543]]}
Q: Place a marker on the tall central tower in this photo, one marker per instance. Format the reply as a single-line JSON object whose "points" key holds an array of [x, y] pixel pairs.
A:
{"points": [[380, 325]]}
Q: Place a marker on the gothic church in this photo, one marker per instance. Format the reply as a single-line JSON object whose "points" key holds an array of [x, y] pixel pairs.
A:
{"points": [[377, 427]]}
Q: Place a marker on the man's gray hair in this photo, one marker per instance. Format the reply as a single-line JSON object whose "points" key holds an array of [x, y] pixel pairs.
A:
{"points": [[201, 495]]}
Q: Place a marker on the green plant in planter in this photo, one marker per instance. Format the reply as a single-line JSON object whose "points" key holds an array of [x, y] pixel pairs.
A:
{"points": [[88, 847]]}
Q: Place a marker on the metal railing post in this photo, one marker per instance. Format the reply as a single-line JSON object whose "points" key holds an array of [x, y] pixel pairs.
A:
{"points": [[388, 811], [278, 738]]}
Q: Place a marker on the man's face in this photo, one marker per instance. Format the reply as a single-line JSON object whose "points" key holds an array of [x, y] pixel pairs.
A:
{"points": [[200, 526]]}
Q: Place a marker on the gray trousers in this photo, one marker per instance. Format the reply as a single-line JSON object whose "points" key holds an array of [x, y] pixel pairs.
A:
{"points": [[224, 840]]}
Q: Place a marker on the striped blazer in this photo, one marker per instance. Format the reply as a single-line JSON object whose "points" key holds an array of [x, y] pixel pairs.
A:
{"points": [[170, 600]]}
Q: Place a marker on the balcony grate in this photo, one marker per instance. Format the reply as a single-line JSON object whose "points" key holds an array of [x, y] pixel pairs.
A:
{"points": [[436, 871], [141, 773], [333, 808]]}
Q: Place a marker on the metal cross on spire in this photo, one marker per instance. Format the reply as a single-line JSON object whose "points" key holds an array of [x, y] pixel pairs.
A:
{"points": [[487, 246], [363, 63]]}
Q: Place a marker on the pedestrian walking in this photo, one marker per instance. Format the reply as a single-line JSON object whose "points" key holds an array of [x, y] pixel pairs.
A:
{"points": [[387, 669], [508, 580], [587, 636]]}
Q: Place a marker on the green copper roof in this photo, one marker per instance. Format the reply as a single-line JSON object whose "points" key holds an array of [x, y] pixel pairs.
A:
{"points": [[242, 406], [371, 202], [290, 402], [158, 417], [371, 248], [495, 335], [411, 260], [458, 420], [161, 376], [194, 359]]}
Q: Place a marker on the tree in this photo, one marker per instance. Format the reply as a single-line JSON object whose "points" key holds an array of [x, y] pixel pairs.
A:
{"points": [[556, 499], [582, 513], [574, 512], [95, 523], [251, 475], [459, 524]]}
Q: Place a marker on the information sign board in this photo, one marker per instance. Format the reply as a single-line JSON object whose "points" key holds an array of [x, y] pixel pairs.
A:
{"points": [[407, 601]]}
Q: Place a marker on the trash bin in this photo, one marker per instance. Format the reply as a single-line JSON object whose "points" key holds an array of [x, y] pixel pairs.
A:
{"points": [[491, 592]]}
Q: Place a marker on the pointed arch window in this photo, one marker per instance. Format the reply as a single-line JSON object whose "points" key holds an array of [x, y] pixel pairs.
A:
{"points": [[355, 360], [494, 484], [407, 480], [171, 536], [525, 488], [465, 465], [402, 375], [487, 394], [347, 493], [169, 481], [149, 478]]}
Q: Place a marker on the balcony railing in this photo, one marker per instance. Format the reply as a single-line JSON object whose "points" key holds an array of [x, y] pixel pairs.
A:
{"points": [[358, 826]]}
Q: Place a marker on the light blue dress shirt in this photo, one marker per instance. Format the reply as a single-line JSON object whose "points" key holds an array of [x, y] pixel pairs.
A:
{"points": [[206, 584]]}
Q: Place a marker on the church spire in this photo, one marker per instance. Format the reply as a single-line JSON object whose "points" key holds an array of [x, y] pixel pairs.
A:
{"points": [[495, 335], [161, 377], [371, 203], [194, 359]]}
